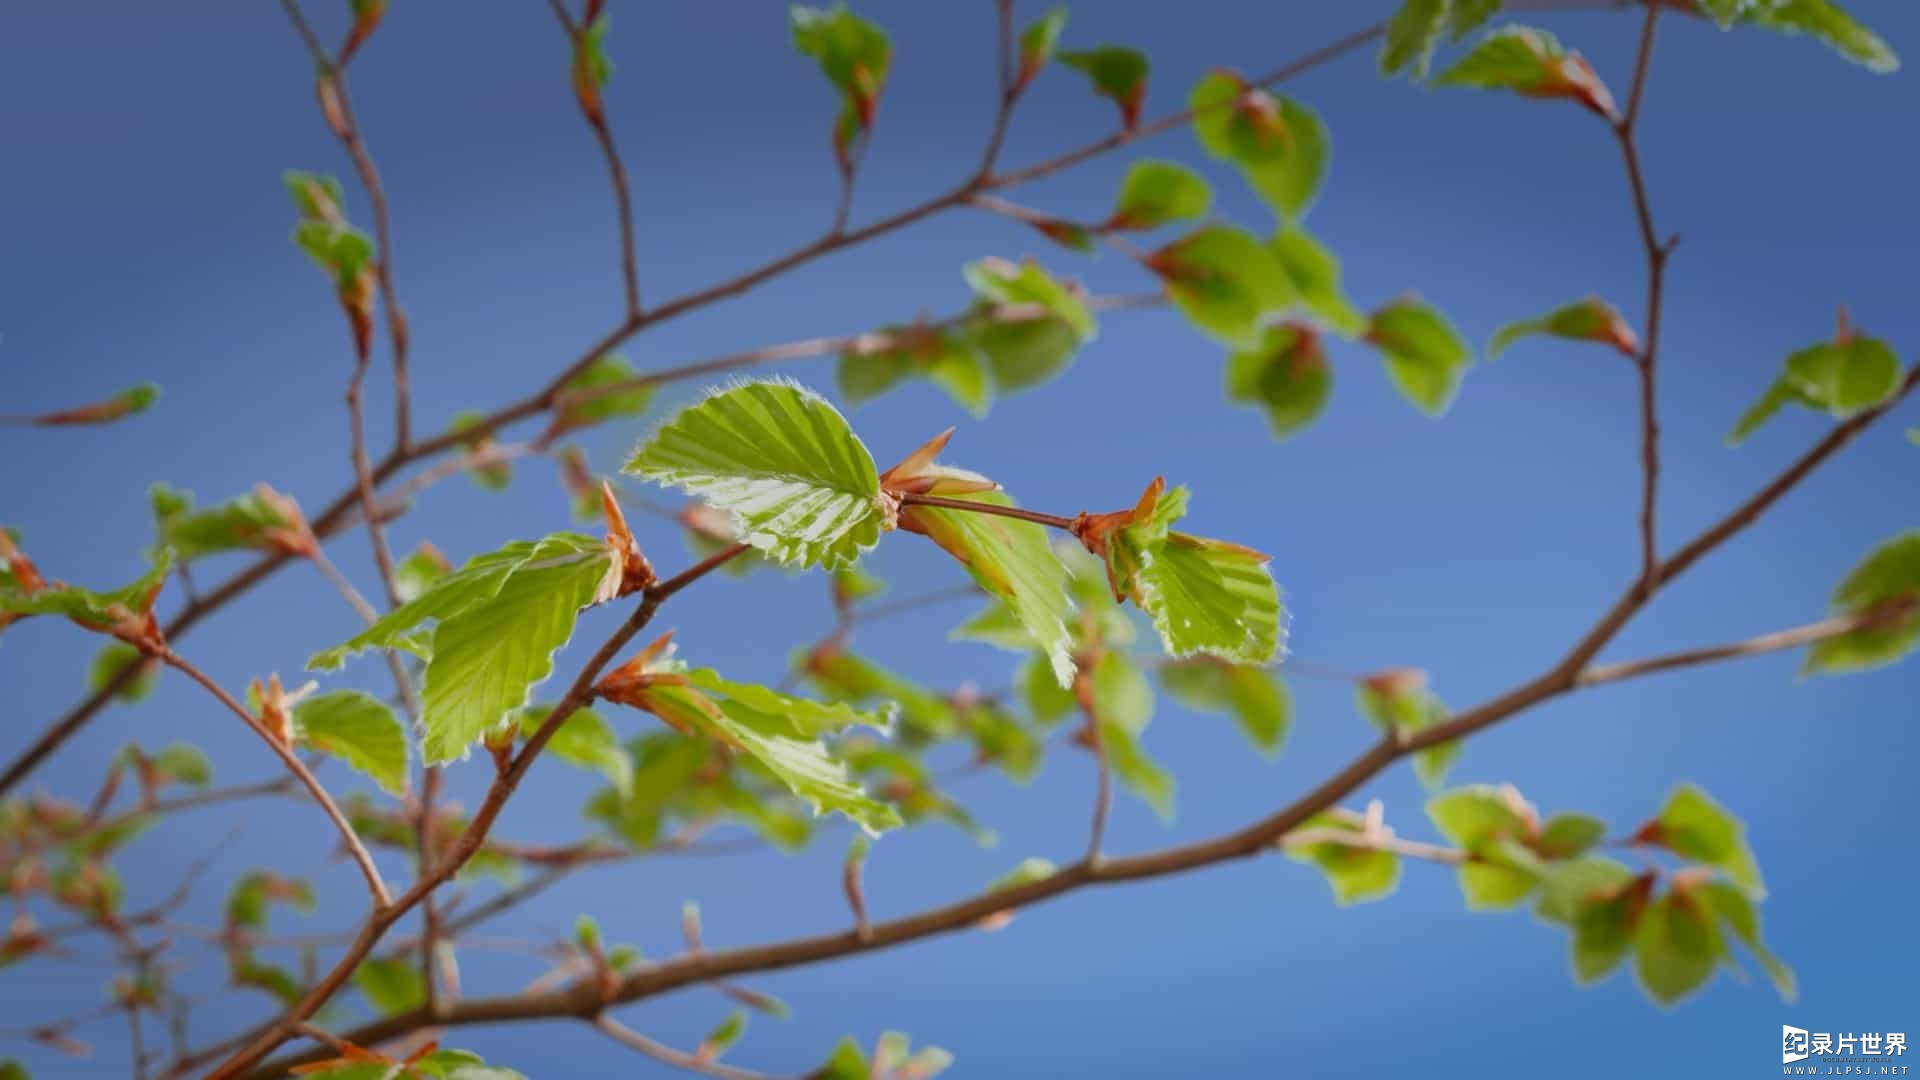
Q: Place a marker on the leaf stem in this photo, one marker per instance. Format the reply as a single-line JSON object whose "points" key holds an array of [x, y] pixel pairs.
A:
{"points": [[1052, 521]]}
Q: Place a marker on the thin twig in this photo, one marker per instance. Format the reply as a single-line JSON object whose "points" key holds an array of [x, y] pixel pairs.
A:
{"points": [[633, 1040]]}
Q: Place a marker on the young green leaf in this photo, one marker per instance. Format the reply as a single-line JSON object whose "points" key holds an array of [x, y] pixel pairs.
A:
{"points": [[1424, 355], [1591, 319], [945, 358], [1027, 351], [1398, 700], [1279, 145], [125, 607], [391, 984], [109, 661], [132, 401], [1693, 826], [585, 399], [1256, 699], [1157, 193], [1224, 280], [1315, 274], [721, 1038], [487, 475], [1137, 773], [782, 461], [1286, 376], [1037, 43], [1605, 926], [585, 741], [1734, 912], [855, 56], [358, 729], [1411, 36], [1840, 377], [1356, 874], [1825, 22], [1676, 948], [1029, 870], [1884, 589], [499, 620], [416, 573], [257, 890], [1531, 63], [1568, 835], [1118, 74]]}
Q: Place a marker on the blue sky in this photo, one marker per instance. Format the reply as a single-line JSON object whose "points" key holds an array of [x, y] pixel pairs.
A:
{"points": [[144, 236]]}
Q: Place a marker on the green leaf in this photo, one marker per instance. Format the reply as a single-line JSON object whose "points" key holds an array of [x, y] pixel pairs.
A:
{"points": [[1029, 870], [94, 610], [1887, 580], [418, 571], [1424, 355], [1406, 710], [1693, 826], [1012, 561], [1825, 22], [797, 717], [1204, 596], [255, 891], [181, 763], [492, 476], [1494, 886], [1590, 319], [853, 53], [1735, 912], [611, 369], [1568, 885], [1531, 63], [1840, 377], [1475, 818], [945, 358], [391, 984], [1279, 145], [122, 404], [924, 714], [1027, 351], [798, 483], [1286, 375], [1676, 948], [1315, 274], [1224, 281], [724, 1036], [107, 664], [1037, 43], [246, 522], [1118, 74], [499, 620], [1137, 773], [1356, 874], [1411, 36], [585, 741], [1045, 698], [1255, 698], [1603, 932], [359, 730], [1156, 193], [1568, 835], [1466, 16]]}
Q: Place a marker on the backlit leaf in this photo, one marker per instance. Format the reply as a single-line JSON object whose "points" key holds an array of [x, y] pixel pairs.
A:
{"points": [[1286, 375], [1315, 274], [1356, 874], [1531, 63], [1424, 355], [1224, 280], [1157, 193], [1118, 74], [1256, 699], [1591, 319], [1279, 145], [358, 729], [1027, 351], [585, 741], [1887, 580]]}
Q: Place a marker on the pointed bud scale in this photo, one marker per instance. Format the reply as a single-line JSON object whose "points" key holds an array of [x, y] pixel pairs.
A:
{"points": [[366, 17], [291, 536], [1096, 531], [1394, 683], [919, 474], [326, 90], [631, 572]]}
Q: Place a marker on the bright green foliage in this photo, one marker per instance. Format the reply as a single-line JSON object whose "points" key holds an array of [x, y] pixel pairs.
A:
{"points": [[1886, 581], [94, 610], [438, 1065], [1286, 376], [1604, 929], [782, 461], [245, 522], [176, 763], [948, 359], [336, 247], [391, 984], [1224, 280], [13, 1070], [1157, 193], [1676, 947], [1411, 37], [1204, 596], [908, 785], [1256, 699], [1734, 913], [1568, 835], [1029, 870], [1011, 560], [418, 571], [257, 890], [612, 369], [891, 1058], [1424, 355], [358, 729], [585, 740], [721, 1038], [1531, 63], [499, 620], [1567, 885], [780, 733], [1123, 706], [1822, 20], [107, 664], [1027, 351], [1315, 274], [1694, 827], [1405, 707], [855, 56], [1840, 377], [1590, 319], [1356, 874], [1037, 43], [1118, 74], [1500, 871], [1279, 145], [924, 715]]}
